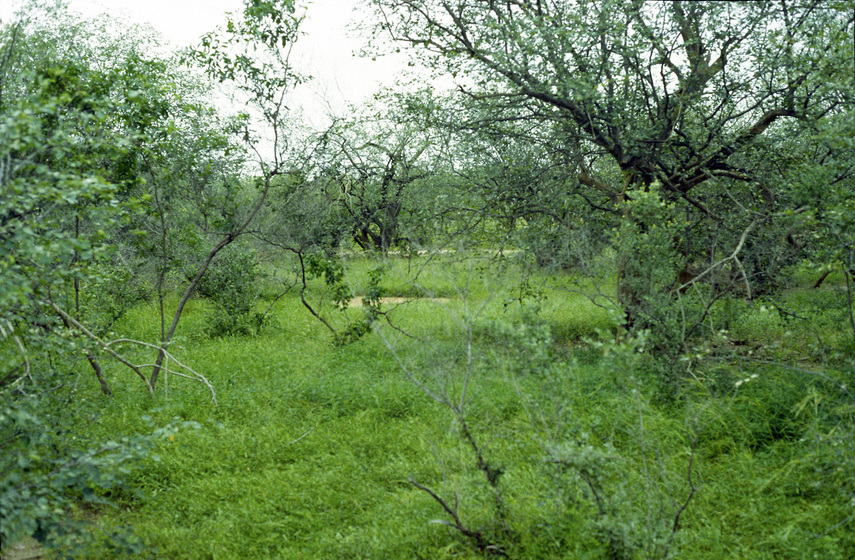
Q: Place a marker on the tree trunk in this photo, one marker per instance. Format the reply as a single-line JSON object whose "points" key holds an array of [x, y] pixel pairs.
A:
{"points": [[821, 279], [188, 293], [96, 367]]}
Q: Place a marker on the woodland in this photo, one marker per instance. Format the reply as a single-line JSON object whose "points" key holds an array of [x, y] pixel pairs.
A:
{"points": [[580, 287]]}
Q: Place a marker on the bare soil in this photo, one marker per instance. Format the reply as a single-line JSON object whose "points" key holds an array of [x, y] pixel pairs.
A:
{"points": [[26, 549], [357, 301]]}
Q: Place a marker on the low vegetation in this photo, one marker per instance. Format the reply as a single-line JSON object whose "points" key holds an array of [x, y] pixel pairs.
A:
{"points": [[499, 425]]}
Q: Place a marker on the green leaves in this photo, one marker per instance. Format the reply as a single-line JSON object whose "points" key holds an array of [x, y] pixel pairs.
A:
{"points": [[231, 284], [332, 272], [75, 129], [253, 53], [41, 475]]}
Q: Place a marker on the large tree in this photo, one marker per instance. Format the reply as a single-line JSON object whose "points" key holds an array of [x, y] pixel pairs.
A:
{"points": [[669, 90], [369, 164], [706, 99]]}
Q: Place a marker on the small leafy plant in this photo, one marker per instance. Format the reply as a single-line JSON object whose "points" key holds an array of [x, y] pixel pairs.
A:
{"points": [[231, 284]]}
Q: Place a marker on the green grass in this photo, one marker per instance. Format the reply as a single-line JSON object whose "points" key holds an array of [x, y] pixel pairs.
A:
{"points": [[310, 447]]}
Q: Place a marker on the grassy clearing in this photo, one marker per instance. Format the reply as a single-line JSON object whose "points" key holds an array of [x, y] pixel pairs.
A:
{"points": [[309, 451]]}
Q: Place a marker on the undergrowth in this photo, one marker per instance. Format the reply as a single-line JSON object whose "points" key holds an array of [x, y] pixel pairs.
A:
{"points": [[312, 449]]}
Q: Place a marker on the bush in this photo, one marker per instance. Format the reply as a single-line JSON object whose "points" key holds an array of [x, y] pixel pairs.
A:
{"points": [[110, 292], [43, 475], [230, 283]]}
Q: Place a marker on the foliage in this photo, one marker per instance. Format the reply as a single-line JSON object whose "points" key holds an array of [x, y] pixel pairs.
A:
{"points": [[73, 115], [369, 165], [371, 302], [231, 283], [253, 52], [64, 119], [43, 474], [110, 290], [649, 267], [298, 217], [333, 274], [74, 122], [720, 104]]}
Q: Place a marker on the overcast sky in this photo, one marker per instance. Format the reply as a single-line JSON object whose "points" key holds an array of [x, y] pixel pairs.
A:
{"points": [[325, 52]]}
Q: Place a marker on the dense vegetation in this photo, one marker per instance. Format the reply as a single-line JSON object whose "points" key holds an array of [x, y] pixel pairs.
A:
{"points": [[595, 301]]}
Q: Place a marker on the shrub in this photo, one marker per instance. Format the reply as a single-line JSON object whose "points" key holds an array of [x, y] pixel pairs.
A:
{"points": [[109, 293], [230, 283], [43, 475]]}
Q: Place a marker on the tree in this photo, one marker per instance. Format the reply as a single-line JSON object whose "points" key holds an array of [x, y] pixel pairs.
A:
{"points": [[63, 191], [514, 171], [704, 98], [368, 164], [252, 54], [190, 163]]}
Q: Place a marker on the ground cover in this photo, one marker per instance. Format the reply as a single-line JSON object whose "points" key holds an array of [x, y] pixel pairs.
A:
{"points": [[312, 449]]}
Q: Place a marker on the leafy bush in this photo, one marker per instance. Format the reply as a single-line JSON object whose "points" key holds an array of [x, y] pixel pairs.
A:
{"points": [[43, 474], [230, 283], [109, 293]]}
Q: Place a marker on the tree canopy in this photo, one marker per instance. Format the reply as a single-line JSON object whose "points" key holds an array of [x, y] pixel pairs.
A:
{"points": [[670, 91], [721, 104]]}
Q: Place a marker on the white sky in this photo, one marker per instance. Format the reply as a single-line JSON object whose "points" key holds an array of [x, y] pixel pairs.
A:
{"points": [[325, 52]]}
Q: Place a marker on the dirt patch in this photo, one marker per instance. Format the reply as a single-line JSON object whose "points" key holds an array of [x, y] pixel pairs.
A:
{"points": [[357, 301], [27, 549]]}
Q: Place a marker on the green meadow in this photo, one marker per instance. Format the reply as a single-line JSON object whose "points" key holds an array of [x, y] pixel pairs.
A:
{"points": [[484, 416]]}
